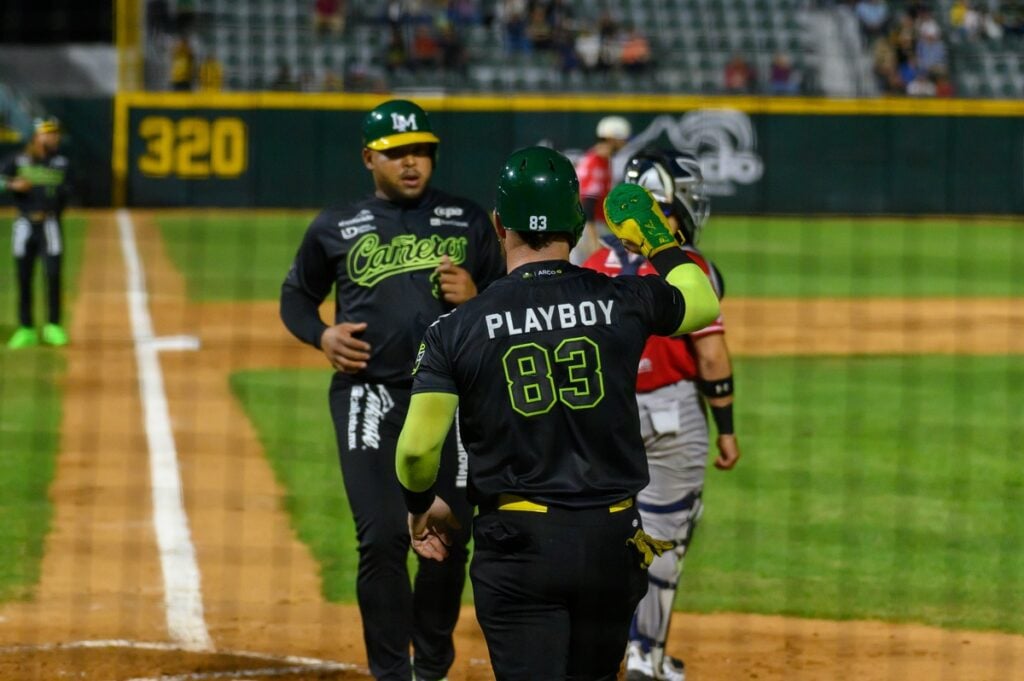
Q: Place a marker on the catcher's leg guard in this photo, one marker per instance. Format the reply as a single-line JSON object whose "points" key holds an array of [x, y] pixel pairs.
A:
{"points": [[653, 616]]}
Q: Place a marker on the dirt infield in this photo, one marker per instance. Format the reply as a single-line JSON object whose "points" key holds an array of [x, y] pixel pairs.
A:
{"points": [[99, 610]]}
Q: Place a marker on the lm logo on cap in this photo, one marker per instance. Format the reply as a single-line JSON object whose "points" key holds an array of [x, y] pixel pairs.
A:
{"points": [[402, 123]]}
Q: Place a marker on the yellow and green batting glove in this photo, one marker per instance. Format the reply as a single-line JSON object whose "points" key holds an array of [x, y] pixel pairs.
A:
{"points": [[636, 219]]}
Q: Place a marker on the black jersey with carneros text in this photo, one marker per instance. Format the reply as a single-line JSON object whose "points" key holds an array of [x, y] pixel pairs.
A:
{"points": [[544, 364], [381, 257], [50, 178]]}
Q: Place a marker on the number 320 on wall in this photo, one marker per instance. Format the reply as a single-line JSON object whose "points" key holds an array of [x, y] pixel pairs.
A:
{"points": [[193, 148]]}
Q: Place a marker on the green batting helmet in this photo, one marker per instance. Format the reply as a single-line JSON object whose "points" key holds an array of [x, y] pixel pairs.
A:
{"points": [[538, 191], [395, 123]]}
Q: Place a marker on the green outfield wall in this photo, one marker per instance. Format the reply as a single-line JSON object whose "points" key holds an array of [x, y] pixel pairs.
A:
{"points": [[760, 155]]}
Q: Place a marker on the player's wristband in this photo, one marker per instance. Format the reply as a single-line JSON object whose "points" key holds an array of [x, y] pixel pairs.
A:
{"points": [[723, 419], [668, 258], [721, 387], [418, 502]]}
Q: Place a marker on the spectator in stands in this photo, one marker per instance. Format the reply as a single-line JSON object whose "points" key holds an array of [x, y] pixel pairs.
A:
{"points": [[512, 15], [783, 79], [453, 51], [329, 17], [588, 49], [908, 71], [636, 51], [990, 27], [211, 74], [395, 14], [538, 31], [1011, 17], [608, 30], [943, 85], [425, 53], [559, 14], [183, 65], [463, 12], [930, 51], [395, 55], [739, 77], [565, 49], [965, 21], [921, 86], [873, 16], [885, 66], [283, 80], [331, 82]]}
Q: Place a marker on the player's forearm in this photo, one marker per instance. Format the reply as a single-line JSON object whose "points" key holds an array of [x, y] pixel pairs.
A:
{"points": [[676, 267], [301, 315], [418, 453]]}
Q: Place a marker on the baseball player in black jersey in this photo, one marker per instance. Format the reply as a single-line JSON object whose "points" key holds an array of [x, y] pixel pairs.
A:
{"points": [[39, 179], [398, 259], [542, 369]]}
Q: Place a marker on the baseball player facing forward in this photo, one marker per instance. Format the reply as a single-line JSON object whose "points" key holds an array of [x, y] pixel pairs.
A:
{"points": [[397, 259], [542, 368], [676, 377], [39, 178]]}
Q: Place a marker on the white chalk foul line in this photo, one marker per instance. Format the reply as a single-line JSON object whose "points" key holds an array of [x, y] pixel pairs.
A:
{"points": [[183, 598]]}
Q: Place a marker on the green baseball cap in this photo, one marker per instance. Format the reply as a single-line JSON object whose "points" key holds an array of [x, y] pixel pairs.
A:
{"points": [[396, 123], [538, 191]]}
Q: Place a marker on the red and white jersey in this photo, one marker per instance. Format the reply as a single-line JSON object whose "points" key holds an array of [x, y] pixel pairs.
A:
{"points": [[595, 173], [665, 360]]}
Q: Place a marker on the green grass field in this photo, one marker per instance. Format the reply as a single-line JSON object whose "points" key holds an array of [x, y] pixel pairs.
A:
{"points": [[245, 256], [234, 256], [30, 413], [870, 488]]}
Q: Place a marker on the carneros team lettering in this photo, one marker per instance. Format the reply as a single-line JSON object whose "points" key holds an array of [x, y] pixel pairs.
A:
{"points": [[549, 318]]}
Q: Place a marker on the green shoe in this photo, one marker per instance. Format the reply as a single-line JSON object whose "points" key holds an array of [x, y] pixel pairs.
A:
{"points": [[54, 334], [24, 337]]}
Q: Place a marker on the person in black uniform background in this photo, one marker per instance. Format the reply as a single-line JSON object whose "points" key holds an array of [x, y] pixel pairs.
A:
{"points": [[398, 258], [542, 369], [39, 178]]}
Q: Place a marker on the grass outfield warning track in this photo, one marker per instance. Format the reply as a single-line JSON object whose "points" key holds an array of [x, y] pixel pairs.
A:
{"points": [[870, 488], [30, 416]]}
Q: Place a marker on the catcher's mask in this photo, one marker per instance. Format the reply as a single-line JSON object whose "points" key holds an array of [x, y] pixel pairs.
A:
{"points": [[538, 191], [675, 180]]}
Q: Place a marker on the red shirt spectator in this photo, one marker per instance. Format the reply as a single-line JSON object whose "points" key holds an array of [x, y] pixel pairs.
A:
{"points": [[739, 77]]}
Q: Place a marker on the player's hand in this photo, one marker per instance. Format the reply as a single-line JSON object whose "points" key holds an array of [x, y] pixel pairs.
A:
{"points": [[19, 184], [636, 219], [728, 452], [456, 283], [343, 350], [430, 532]]}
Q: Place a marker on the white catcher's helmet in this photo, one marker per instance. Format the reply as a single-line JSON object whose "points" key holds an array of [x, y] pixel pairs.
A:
{"points": [[675, 180]]}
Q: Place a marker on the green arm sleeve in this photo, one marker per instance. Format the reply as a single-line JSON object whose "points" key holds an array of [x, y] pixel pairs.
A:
{"points": [[418, 454], [683, 274], [701, 302]]}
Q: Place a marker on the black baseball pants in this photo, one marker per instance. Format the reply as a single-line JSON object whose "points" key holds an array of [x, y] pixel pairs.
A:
{"points": [[30, 240], [555, 592], [367, 421]]}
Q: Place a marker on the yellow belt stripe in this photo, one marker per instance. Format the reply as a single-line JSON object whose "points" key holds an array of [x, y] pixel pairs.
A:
{"points": [[511, 502]]}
